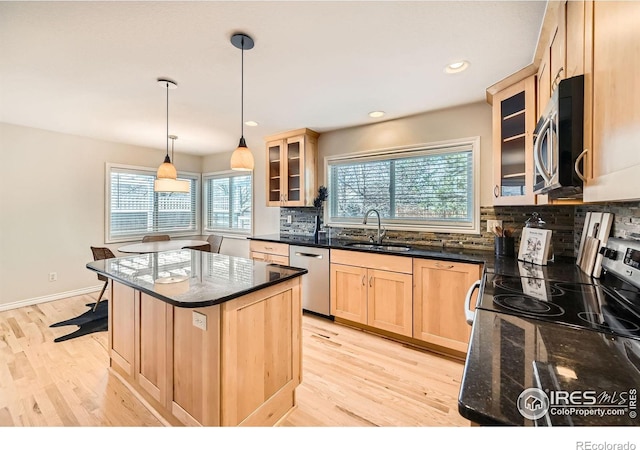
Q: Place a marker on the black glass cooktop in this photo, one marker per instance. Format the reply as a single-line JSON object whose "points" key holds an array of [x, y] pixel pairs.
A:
{"points": [[607, 305]]}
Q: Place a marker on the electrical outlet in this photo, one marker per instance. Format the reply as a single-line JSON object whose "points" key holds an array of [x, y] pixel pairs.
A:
{"points": [[289, 218], [199, 320], [53, 276], [492, 224]]}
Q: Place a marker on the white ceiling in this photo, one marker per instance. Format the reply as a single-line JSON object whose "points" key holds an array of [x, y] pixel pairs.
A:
{"points": [[90, 68]]}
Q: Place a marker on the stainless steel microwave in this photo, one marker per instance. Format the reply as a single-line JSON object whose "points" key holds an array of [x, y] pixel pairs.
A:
{"points": [[558, 142]]}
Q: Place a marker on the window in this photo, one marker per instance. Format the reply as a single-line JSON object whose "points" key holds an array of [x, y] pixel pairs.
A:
{"points": [[228, 199], [432, 187], [134, 209]]}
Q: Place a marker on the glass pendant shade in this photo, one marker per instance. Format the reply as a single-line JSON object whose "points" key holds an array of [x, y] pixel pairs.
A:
{"points": [[167, 170], [242, 158], [171, 185]]}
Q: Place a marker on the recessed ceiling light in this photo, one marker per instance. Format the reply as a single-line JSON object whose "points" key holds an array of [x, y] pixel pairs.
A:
{"points": [[376, 114], [457, 66], [251, 123]]}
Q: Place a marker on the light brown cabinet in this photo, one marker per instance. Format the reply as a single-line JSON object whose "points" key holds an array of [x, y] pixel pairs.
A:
{"points": [[439, 293], [373, 290], [122, 326], [612, 96], [514, 120], [185, 373], [271, 252], [292, 160]]}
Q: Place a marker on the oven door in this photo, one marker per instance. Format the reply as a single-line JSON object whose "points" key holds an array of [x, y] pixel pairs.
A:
{"points": [[545, 152]]}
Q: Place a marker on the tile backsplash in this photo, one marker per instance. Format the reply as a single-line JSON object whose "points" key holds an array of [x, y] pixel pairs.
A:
{"points": [[565, 221]]}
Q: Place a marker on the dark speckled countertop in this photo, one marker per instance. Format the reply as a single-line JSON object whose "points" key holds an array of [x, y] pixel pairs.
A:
{"points": [[508, 354], [193, 279]]}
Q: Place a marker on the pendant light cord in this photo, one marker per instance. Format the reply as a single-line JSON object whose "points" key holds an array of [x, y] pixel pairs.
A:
{"points": [[242, 91], [167, 136]]}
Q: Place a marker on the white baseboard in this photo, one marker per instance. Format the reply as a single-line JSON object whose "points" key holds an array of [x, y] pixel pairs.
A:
{"points": [[49, 298]]}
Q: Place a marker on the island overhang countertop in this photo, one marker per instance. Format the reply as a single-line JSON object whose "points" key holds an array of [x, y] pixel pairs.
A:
{"points": [[193, 279]]}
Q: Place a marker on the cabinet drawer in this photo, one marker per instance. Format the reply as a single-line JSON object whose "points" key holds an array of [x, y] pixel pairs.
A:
{"points": [[446, 265], [266, 257], [275, 248], [392, 263]]}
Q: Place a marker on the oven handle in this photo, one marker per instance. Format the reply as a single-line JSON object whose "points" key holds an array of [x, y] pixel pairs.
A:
{"points": [[537, 156], [469, 315]]}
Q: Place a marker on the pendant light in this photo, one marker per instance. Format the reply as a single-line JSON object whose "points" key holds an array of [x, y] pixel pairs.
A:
{"points": [[166, 177], [242, 159]]}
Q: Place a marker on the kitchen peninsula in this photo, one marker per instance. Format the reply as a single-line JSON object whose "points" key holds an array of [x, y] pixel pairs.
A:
{"points": [[204, 338]]}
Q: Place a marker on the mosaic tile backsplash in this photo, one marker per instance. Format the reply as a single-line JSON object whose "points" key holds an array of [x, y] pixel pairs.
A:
{"points": [[565, 221]]}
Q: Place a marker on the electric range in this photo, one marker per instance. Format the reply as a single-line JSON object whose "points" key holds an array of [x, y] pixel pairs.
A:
{"points": [[610, 304]]}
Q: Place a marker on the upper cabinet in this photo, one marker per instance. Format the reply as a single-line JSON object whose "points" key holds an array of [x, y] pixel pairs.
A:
{"points": [[562, 47], [612, 100], [514, 119], [292, 161]]}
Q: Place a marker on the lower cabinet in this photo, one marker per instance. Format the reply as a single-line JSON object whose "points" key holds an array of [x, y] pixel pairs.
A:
{"points": [[364, 290], [237, 363], [439, 293], [271, 252], [422, 299]]}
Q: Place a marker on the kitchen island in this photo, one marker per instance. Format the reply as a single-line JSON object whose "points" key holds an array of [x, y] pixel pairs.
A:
{"points": [[205, 339]]}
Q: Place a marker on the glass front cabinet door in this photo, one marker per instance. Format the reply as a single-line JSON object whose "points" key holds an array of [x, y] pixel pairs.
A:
{"points": [[292, 160], [514, 120]]}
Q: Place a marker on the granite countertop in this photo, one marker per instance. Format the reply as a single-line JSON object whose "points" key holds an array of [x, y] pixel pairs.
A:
{"points": [[508, 354], [417, 251], [193, 279], [563, 268]]}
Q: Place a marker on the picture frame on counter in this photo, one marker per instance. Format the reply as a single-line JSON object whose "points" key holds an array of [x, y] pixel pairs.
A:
{"points": [[534, 246]]}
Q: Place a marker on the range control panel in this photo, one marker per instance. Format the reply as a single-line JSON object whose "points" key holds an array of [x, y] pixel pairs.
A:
{"points": [[622, 257]]}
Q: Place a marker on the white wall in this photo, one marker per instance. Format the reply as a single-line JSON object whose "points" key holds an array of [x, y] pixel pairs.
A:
{"points": [[452, 123], [52, 208]]}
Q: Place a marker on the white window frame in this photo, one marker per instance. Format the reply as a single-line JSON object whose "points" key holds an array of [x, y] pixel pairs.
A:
{"points": [[412, 150], [146, 170], [205, 211]]}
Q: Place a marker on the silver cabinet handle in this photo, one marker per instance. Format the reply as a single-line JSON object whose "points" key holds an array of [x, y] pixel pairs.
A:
{"points": [[370, 281], [309, 255], [363, 278], [468, 314], [578, 159], [442, 266]]}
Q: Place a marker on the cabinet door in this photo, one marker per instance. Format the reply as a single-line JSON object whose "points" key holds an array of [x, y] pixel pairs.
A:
{"points": [[294, 175], [154, 362], [514, 119], [349, 292], [612, 95], [196, 366], [389, 301], [439, 293], [557, 49], [275, 191], [544, 81], [122, 327], [574, 38]]}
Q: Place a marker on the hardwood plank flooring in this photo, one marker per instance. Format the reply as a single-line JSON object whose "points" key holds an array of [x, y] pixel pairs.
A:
{"points": [[350, 378]]}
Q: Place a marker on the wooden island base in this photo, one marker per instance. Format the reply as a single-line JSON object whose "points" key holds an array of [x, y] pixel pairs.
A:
{"points": [[235, 363]]}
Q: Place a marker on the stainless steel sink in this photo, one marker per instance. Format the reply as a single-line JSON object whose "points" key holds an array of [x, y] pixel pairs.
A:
{"points": [[386, 248]]}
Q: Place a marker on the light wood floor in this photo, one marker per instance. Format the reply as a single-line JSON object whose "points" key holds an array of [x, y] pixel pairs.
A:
{"points": [[350, 378]]}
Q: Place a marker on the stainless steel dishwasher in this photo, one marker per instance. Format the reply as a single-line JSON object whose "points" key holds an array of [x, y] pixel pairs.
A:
{"points": [[315, 284]]}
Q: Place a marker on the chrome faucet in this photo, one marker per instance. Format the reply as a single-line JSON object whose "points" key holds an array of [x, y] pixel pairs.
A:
{"points": [[381, 232]]}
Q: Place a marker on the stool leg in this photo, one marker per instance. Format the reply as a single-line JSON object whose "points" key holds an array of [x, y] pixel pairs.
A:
{"points": [[100, 296]]}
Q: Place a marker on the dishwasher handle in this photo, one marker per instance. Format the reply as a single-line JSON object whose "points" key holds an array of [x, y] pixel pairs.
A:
{"points": [[308, 255], [469, 315]]}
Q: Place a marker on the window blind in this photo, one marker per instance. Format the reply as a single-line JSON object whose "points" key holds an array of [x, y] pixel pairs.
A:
{"points": [[228, 199], [417, 187], [135, 209]]}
